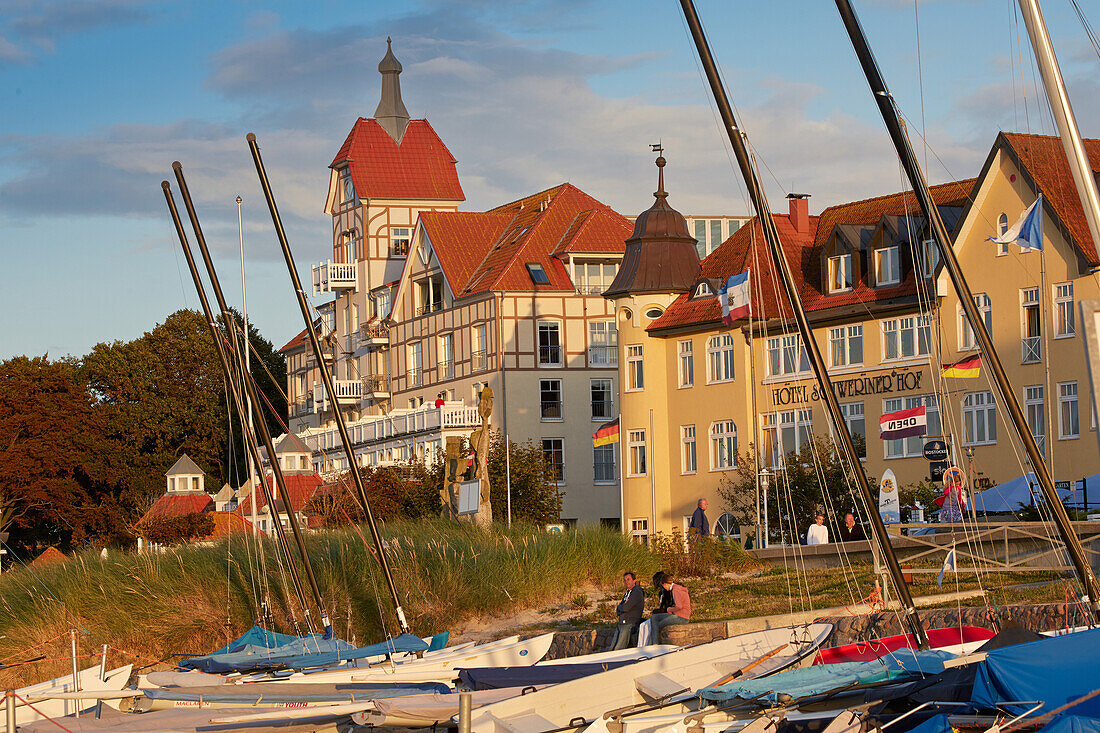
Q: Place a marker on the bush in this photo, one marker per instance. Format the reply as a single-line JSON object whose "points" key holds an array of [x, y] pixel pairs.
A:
{"points": [[177, 530]]}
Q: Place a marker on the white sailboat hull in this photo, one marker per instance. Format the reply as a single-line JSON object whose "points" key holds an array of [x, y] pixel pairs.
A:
{"points": [[53, 707]]}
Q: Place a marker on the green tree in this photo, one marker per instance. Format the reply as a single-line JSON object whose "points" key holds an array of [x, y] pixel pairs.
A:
{"points": [[812, 479], [55, 477], [536, 497]]}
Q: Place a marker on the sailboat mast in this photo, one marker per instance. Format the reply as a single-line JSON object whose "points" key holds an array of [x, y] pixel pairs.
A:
{"points": [[966, 300], [232, 378], [1063, 114], [247, 364], [779, 259], [326, 378], [257, 404]]}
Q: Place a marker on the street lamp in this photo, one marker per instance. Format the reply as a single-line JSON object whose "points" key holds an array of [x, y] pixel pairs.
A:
{"points": [[762, 538]]}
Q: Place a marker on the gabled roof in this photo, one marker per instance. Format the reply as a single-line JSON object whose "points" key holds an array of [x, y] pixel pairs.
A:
{"points": [[228, 523], [49, 556], [803, 250], [420, 167], [461, 239], [225, 493], [1043, 159], [291, 443], [178, 505], [300, 487], [185, 467]]}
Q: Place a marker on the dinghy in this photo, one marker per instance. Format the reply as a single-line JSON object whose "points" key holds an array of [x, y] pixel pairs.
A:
{"points": [[42, 695], [573, 705], [953, 639]]}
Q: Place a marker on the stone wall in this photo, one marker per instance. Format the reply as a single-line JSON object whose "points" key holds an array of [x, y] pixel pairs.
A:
{"points": [[846, 629]]}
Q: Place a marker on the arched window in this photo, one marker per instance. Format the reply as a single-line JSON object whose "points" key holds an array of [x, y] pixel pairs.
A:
{"points": [[1002, 227], [726, 527], [723, 445]]}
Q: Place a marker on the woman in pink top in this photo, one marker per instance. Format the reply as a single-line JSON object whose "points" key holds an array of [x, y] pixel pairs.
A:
{"points": [[680, 610]]}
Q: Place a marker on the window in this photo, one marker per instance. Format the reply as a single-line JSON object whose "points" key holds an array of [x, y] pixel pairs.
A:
{"points": [[929, 257], [720, 358], [854, 418], [635, 368], [701, 238], [1067, 409], [985, 312], [603, 464], [447, 356], [416, 364], [687, 452], [345, 248], [639, 531], [1036, 414], [914, 446], [636, 443], [480, 353], [1002, 227], [846, 345], [550, 393], [687, 364], [785, 432], [603, 343], [887, 266], [399, 241], [429, 296], [1063, 311], [476, 389], [786, 356], [1031, 344], [703, 290], [904, 338], [602, 406], [553, 452], [840, 273], [347, 188], [723, 445], [549, 343], [980, 418], [538, 275], [382, 303], [594, 277]]}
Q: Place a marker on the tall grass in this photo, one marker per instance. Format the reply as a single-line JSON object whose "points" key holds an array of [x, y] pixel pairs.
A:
{"points": [[192, 600]]}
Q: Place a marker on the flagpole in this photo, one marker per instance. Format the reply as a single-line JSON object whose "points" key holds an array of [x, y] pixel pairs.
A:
{"points": [[755, 422], [1044, 340]]}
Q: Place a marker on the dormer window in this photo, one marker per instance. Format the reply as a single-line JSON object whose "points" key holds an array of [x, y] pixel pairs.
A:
{"points": [[348, 188], [929, 258], [887, 266], [702, 290], [840, 273]]}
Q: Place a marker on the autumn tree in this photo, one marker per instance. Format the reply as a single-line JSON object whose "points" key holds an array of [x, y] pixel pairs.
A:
{"points": [[56, 486], [175, 530]]}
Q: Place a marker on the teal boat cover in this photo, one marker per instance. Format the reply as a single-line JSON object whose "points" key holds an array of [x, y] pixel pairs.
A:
{"points": [[256, 636], [312, 650]]}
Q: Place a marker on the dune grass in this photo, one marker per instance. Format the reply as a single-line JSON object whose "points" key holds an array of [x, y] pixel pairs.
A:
{"points": [[192, 600]]}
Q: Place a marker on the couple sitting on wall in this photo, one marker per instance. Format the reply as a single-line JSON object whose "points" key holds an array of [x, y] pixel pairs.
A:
{"points": [[673, 607]]}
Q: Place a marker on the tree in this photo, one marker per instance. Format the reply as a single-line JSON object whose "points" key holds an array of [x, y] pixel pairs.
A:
{"points": [[536, 497], [813, 479], [175, 530], [55, 478]]}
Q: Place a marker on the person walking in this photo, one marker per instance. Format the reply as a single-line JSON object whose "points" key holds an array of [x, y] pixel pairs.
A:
{"points": [[699, 526], [818, 533], [629, 611], [678, 612], [851, 531]]}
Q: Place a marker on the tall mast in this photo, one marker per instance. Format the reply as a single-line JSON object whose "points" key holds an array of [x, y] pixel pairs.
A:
{"points": [[232, 377], [326, 378], [257, 404], [966, 300], [1063, 114], [779, 260], [247, 363]]}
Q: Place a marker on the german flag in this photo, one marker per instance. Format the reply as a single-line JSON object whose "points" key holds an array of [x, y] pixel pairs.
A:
{"points": [[607, 434], [967, 368]]}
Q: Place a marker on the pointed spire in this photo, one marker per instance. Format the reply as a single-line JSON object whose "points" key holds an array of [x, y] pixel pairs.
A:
{"points": [[391, 113], [660, 193]]}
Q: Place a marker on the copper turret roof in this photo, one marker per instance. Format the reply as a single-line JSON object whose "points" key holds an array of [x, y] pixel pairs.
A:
{"points": [[660, 254]]}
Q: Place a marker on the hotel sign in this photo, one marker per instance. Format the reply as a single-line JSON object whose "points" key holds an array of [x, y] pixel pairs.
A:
{"points": [[894, 381]]}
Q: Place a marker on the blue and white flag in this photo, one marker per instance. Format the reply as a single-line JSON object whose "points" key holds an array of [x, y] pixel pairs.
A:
{"points": [[948, 564], [734, 297], [1028, 229]]}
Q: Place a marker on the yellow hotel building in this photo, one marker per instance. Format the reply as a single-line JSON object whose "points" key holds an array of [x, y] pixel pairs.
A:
{"points": [[695, 393]]}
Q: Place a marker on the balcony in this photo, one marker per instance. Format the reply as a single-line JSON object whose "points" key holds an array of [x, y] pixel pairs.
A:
{"points": [[425, 308], [446, 370], [348, 393], [330, 277], [480, 360], [374, 334], [1031, 348], [376, 388], [602, 409], [549, 356], [415, 378], [603, 356]]}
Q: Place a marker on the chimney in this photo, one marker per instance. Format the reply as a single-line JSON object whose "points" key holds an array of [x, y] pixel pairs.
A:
{"points": [[799, 211]]}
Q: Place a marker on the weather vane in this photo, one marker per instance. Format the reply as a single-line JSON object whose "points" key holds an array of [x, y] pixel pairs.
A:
{"points": [[657, 148]]}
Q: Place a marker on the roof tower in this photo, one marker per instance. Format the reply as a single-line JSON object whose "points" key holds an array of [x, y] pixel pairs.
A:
{"points": [[391, 113]]}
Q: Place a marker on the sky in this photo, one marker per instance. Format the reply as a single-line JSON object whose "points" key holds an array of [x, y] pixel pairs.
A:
{"points": [[99, 97]]}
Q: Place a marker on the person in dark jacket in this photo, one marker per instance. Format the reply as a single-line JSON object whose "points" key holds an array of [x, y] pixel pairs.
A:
{"points": [[664, 597], [850, 531], [699, 525], [629, 611]]}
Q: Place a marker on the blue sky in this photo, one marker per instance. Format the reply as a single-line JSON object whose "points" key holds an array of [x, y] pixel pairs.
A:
{"points": [[100, 96]]}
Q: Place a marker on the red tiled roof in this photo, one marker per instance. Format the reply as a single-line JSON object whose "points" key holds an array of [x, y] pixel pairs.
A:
{"points": [[300, 487], [177, 505], [421, 167], [1044, 159], [228, 523], [49, 556], [461, 239], [537, 229], [803, 250], [296, 342]]}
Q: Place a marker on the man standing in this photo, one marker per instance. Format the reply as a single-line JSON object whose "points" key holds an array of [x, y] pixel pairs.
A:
{"points": [[851, 531], [699, 525], [818, 533], [629, 611]]}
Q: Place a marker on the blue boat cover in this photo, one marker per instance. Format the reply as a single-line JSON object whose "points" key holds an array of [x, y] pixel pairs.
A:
{"points": [[256, 636], [935, 724], [1056, 670], [813, 680], [1072, 724], [439, 641], [495, 678], [312, 650], [241, 695]]}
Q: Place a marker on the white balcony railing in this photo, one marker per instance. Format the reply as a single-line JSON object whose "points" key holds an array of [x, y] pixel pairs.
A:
{"points": [[348, 392], [400, 423], [329, 276]]}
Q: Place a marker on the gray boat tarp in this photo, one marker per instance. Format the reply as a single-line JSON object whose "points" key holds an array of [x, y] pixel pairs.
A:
{"points": [[436, 707], [495, 678]]}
